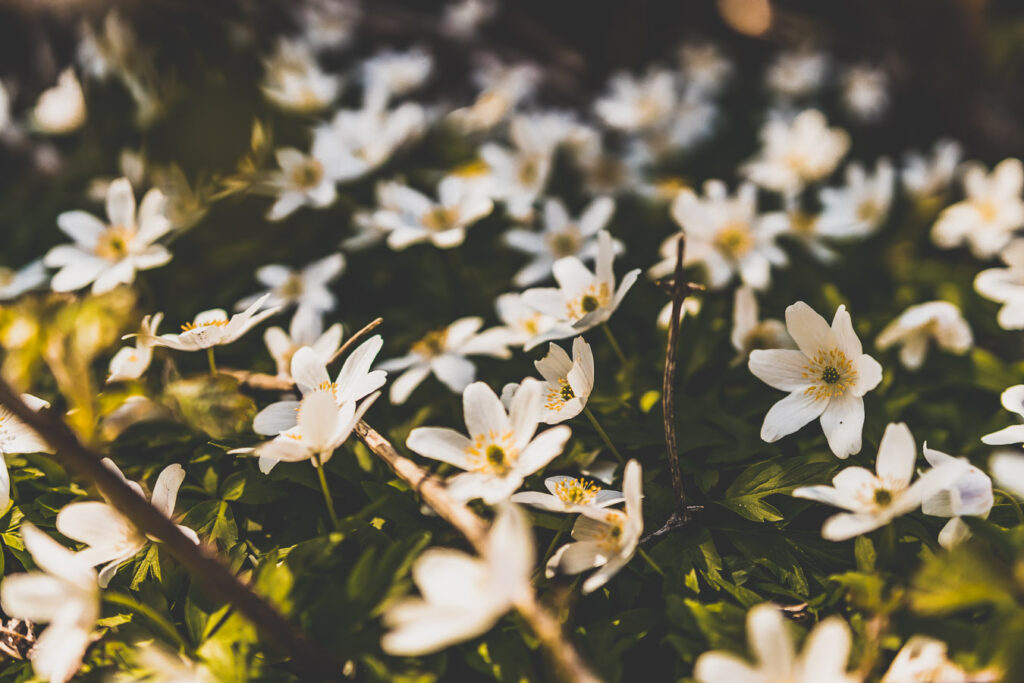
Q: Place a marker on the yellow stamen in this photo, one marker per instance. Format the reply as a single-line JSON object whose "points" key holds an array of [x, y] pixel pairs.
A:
{"points": [[576, 491]]}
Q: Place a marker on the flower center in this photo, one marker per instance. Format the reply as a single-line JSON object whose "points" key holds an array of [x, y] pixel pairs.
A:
{"points": [[529, 172], [802, 223], [293, 287], [576, 491], [869, 211], [441, 218], [734, 239], [113, 244], [592, 298], [6, 276], [558, 396], [307, 175], [432, 343], [830, 372], [988, 210], [493, 453], [883, 497], [830, 375], [188, 327], [566, 243]]}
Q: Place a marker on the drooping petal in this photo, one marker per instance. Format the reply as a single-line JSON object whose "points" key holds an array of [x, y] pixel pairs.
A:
{"points": [[846, 525], [843, 423], [165, 491], [790, 414]]}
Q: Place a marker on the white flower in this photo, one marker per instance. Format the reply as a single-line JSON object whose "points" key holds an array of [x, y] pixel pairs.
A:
{"points": [[1006, 285], [503, 87], [327, 24], [324, 418], [633, 103], [390, 74], [501, 449], [924, 659], [912, 330], [109, 255], [749, 333], [861, 206], [970, 493], [521, 322], [796, 153], [691, 306], [517, 176], [5, 109], [462, 18], [875, 499], [726, 235], [14, 283], [927, 178], [302, 181], [214, 328], [306, 289], [604, 538], [582, 299], [865, 92], [294, 81], [990, 213], [704, 67], [17, 437], [64, 594], [797, 73], [130, 363], [823, 660], [692, 120], [562, 236], [443, 352], [827, 378], [568, 382], [569, 495], [412, 217], [61, 109], [1013, 400], [463, 596], [1007, 468], [283, 345], [358, 141], [110, 538]]}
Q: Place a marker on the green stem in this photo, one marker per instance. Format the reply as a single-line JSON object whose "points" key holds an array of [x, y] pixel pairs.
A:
{"points": [[1014, 503], [318, 461], [614, 343], [152, 615], [647, 558], [603, 434], [213, 363], [554, 541]]}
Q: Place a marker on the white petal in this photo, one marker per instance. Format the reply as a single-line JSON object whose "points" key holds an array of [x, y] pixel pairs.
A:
{"points": [[405, 383], [897, 454], [308, 370], [843, 422], [790, 414], [1005, 436], [276, 418], [846, 525], [846, 338], [440, 443], [483, 411], [121, 203], [770, 641], [455, 372], [808, 329], [165, 491], [780, 368]]}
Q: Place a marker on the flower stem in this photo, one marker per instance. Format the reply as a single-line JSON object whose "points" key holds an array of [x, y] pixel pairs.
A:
{"points": [[157, 619], [1013, 502], [318, 461], [554, 541], [614, 343], [647, 558], [603, 434], [213, 363]]}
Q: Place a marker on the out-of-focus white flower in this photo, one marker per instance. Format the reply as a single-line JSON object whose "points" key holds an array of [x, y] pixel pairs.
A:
{"points": [[992, 210], [65, 594], [503, 87], [358, 141], [797, 152], [443, 352], [750, 333], [827, 377], [61, 109], [865, 92], [823, 660], [798, 73], [301, 181], [132, 166], [1006, 285], [108, 255], [691, 306], [568, 382], [704, 67], [604, 538], [294, 81], [924, 659], [129, 363], [726, 235], [912, 330], [875, 499], [462, 18], [970, 493], [861, 206], [927, 178], [301, 332], [582, 300], [14, 283], [306, 289], [17, 437], [461, 596], [502, 448], [412, 217], [569, 495], [521, 322], [5, 109], [110, 538], [692, 121], [562, 236], [327, 24], [1013, 400], [389, 74], [637, 103], [517, 176], [214, 328], [1007, 468], [163, 666]]}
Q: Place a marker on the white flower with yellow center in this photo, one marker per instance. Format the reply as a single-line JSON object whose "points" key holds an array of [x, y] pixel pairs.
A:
{"points": [[521, 322], [583, 299], [14, 283], [214, 328], [865, 92], [638, 103], [916, 326], [705, 67], [517, 176], [604, 538], [358, 141], [562, 236], [462, 596], [927, 179], [64, 594], [129, 363], [443, 352], [108, 255], [795, 153], [726, 235], [969, 494], [17, 437], [824, 658], [301, 181], [501, 449], [875, 499], [283, 345], [860, 207], [989, 215], [1006, 286], [60, 109], [412, 217], [569, 495], [306, 289], [294, 81], [826, 377], [568, 382], [750, 333], [110, 538], [389, 74], [1013, 400], [797, 73]]}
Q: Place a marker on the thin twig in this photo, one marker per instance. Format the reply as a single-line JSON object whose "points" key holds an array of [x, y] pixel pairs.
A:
{"points": [[357, 337], [200, 560], [545, 626]]}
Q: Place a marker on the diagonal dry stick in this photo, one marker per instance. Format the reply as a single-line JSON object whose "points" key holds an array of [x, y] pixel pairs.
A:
{"points": [[200, 561]]}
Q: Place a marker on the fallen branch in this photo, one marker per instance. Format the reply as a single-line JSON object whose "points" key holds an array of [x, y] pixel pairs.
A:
{"points": [[200, 561]]}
